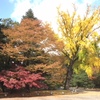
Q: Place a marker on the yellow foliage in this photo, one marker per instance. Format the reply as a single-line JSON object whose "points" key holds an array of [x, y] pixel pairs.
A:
{"points": [[89, 71], [79, 34]]}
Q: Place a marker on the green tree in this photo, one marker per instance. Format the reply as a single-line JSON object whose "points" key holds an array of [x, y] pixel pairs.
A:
{"points": [[3, 40], [79, 34], [29, 14], [8, 22], [2, 36], [96, 80]]}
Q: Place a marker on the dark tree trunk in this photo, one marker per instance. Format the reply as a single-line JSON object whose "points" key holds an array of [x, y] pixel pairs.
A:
{"points": [[69, 71], [68, 77], [2, 86], [28, 88]]}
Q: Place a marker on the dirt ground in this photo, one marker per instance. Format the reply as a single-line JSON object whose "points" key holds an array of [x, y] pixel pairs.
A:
{"points": [[86, 95]]}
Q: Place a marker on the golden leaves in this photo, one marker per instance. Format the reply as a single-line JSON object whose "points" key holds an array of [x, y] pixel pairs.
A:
{"points": [[79, 34]]}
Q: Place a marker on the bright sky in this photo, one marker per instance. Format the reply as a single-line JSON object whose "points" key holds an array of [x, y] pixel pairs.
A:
{"points": [[43, 9]]}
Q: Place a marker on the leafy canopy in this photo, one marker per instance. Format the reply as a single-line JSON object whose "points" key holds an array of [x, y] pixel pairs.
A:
{"points": [[79, 34]]}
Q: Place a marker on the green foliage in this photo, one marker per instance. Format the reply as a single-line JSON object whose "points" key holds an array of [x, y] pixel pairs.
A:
{"points": [[29, 14], [8, 22], [96, 80], [2, 36], [81, 80]]}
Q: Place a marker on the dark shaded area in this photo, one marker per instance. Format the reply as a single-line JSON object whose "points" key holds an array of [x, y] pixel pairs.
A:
{"points": [[36, 93], [2, 36], [81, 80]]}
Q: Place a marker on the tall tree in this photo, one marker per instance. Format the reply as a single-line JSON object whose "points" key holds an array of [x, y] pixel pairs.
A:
{"points": [[34, 44], [2, 36], [78, 34], [29, 42], [29, 14]]}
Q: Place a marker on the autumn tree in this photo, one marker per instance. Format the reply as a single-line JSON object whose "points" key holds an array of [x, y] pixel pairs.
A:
{"points": [[78, 34], [54, 73], [97, 45], [28, 41], [4, 24], [33, 43]]}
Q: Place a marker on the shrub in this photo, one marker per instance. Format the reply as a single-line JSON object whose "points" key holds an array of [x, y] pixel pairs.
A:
{"points": [[19, 77], [82, 80]]}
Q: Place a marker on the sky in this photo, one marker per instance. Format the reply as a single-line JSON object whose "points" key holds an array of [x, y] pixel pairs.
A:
{"points": [[45, 10]]}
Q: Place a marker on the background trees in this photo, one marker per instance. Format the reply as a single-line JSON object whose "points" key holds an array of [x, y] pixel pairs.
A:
{"points": [[8, 22], [79, 34]]}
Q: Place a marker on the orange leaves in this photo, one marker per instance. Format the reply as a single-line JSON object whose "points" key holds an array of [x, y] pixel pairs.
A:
{"points": [[55, 71], [23, 37]]}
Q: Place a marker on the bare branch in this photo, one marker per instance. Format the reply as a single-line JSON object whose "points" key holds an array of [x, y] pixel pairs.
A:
{"points": [[92, 31], [66, 54]]}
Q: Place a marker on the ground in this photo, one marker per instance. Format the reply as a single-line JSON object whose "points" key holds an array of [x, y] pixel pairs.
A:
{"points": [[85, 95]]}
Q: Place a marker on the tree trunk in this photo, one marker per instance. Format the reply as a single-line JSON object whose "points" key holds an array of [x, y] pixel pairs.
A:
{"points": [[68, 77], [2, 86], [66, 84]]}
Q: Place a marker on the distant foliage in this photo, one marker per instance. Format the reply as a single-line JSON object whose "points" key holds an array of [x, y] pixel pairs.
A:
{"points": [[8, 23], [19, 77]]}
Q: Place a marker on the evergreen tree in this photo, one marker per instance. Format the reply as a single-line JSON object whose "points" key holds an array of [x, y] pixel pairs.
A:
{"points": [[8, 22], [2, 36], [81, 80], [29, 14]]}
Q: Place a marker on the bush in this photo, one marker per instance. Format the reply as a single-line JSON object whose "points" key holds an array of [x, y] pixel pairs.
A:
{"points": [[19, 77], [82, 80]]}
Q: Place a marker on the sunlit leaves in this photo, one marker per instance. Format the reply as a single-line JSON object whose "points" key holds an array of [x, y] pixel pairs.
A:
{"points": [[79, 33]]}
